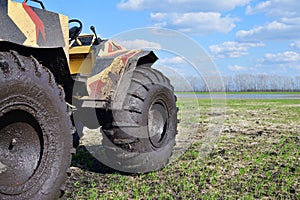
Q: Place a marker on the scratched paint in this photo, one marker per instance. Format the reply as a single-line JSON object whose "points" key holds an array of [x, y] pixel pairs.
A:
{"points": [[101, 84]]}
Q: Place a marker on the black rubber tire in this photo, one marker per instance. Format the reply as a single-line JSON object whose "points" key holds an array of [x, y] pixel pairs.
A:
{"points": [[35, 130], [130, 143]]}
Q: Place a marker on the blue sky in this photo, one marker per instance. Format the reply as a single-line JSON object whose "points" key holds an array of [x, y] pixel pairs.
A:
{"points": [[241, 36]]}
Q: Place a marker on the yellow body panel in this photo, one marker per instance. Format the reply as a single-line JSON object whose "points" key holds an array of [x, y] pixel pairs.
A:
{"points": [[82, 56], [80, 49], [64, 21], [21, 19], [81, 62]]}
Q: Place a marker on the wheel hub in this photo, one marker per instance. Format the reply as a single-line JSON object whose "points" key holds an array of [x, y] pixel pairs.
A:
{"points": [[157, 123], [20, 149]]}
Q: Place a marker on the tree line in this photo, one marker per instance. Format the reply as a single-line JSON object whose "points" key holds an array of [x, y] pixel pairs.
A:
{"points": [[237, 83]]}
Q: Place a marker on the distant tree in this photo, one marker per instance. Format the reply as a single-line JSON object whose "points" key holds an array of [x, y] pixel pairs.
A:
{"points": [[297, 83], [239, 82]]}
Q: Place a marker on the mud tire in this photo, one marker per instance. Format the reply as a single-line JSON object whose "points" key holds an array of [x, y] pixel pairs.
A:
{"points": [[35, 130], [142, 135]]}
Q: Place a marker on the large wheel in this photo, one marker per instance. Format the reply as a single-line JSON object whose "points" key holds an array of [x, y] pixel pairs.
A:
{"points": [[142, 135], [35, 130]]}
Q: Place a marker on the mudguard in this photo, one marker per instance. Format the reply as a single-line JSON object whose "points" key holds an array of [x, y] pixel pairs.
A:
{"points": [[107, 78]]}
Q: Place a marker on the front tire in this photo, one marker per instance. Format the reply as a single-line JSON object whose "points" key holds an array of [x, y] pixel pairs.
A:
{"points": [[35, 130], [142, 135]]}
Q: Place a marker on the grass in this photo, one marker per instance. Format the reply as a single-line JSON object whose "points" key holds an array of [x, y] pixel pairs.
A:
{"points": [[228, 93], [256, 156]]}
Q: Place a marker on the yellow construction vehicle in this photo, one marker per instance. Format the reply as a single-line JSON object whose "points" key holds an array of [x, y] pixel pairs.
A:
{"points": [[54, 80]]}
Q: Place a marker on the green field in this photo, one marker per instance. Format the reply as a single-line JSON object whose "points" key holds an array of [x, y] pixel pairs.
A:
{"points": [[255, 156], [257, 93]]}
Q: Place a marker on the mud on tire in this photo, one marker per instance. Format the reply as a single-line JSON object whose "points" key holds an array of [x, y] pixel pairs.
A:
{"points": [[35, 130], [141, 136]]}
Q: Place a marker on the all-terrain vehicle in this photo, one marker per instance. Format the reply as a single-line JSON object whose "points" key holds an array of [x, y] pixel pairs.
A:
{"points": [[54, 81]]}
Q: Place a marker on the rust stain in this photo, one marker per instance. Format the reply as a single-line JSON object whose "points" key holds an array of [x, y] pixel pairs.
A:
{"points": [[109, 78]]}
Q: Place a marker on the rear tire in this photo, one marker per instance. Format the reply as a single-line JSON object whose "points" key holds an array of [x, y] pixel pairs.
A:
{"points": [[142, 135], [35, 130]]}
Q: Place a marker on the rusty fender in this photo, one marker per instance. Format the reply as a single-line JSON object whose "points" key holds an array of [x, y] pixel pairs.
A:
{"points": [[104, 86]]}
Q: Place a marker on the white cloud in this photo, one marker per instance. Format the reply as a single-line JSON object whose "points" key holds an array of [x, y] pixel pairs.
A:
{"points": [[177, 67], [199, 17], [276, 8], [158, 16], [232, 49], [131, 4], [282, 58], [288, 61], [262, 6], [295, 45], [282, 29], [181, 5], [200, 23], [177, 60], [240, 68], [138, 44]]}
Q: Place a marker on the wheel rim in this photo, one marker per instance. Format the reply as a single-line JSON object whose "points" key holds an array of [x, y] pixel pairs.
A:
{"points": [[20, 146], [157, 123]]}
